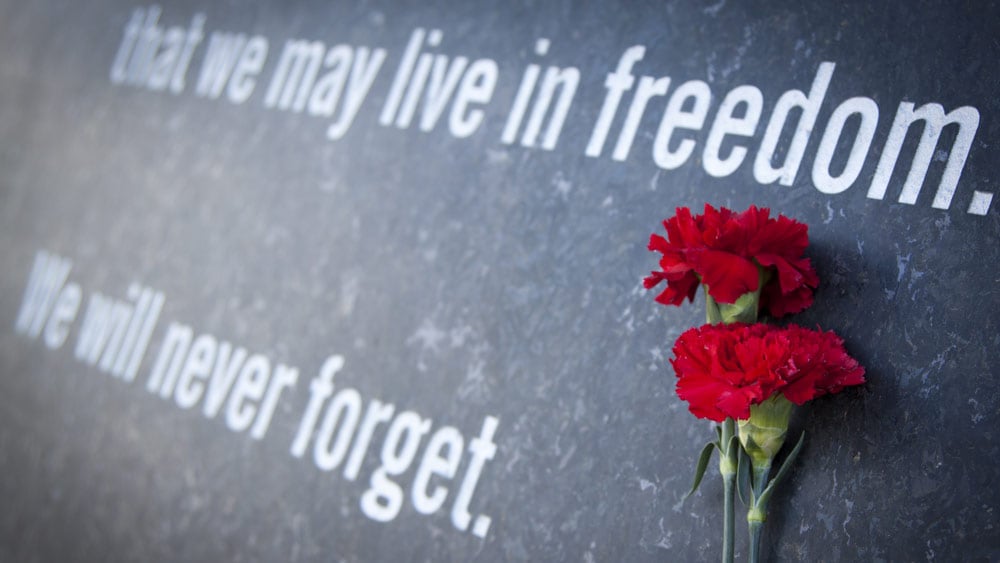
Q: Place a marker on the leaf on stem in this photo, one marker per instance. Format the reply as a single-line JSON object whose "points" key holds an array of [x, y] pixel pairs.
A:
{"points": [[744, 479], [785, 468], [699, 471]]}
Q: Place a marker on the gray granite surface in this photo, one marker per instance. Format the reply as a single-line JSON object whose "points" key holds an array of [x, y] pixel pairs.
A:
{"points": [[463, 278]]}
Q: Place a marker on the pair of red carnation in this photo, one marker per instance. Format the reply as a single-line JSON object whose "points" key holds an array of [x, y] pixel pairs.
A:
{"points": [[729, 252], [724, 369]]}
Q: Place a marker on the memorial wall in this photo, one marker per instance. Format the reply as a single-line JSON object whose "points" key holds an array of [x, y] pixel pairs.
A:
{"points": [[312, 281]]}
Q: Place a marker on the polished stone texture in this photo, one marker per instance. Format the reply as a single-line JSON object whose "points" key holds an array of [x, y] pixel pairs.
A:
{"points": [[466, 277]]}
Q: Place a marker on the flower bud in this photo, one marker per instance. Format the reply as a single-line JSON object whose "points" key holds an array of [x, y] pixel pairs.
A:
{"points": [[764, 432]]}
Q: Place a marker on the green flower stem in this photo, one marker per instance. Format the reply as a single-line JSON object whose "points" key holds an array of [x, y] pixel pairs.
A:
{"points": [[757, 513], [762, 491], [728, 457], [729, 448], [760, 474], [762, 436], [755, 528], [729, 522]]}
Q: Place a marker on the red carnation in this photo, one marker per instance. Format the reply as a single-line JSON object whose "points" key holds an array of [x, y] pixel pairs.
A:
{"points": [[724, 369], [730, 252]]}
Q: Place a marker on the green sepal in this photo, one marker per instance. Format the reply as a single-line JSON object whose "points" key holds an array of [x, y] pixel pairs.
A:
{"points": [[699, 470], [712, 313], [786, 466], [744, 310], [744, 479], [730, 457]]}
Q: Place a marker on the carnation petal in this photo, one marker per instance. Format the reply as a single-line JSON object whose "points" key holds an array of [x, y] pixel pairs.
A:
{"points": [[683, 229], [736, 403], [779, 305], [700, 395], [727, 276], [801, 390], [653, 280], [792, 274], [678, 287], [783, 236]]}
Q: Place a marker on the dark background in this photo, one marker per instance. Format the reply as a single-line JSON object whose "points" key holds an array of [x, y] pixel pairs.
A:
{"points": [[261, 231]]}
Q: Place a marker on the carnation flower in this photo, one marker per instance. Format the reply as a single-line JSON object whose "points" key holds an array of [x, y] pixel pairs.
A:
{"points": [[724, 369], [742, 375], [734, 254]]}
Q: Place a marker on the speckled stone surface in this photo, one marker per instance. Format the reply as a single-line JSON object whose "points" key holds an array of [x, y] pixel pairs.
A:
{"points": [[466, 277]]}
